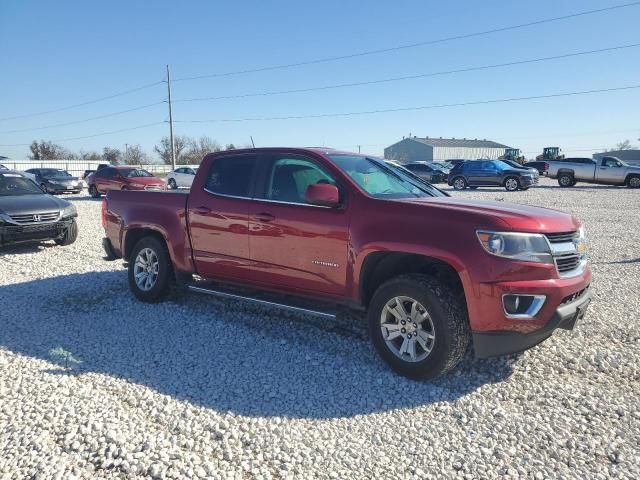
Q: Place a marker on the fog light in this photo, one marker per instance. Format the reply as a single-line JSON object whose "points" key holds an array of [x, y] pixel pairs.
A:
{"points": [[522, 306]]}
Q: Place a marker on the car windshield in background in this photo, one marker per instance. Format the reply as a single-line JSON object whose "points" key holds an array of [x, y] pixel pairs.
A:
{"points": [[135, 172], [380, 180], [53, 172], [15, 184]]}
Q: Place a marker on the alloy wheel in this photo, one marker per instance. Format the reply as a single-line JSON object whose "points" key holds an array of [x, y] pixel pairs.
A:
{"points": [[511, 184], [146, 269], [407, 329]]}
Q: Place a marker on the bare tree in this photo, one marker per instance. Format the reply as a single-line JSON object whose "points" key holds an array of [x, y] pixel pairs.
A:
{"points": [[111, 155], [181, 144], [49, 151], [199, 148], [135, 155], [90, 155], [626, 145], [230, 146]]}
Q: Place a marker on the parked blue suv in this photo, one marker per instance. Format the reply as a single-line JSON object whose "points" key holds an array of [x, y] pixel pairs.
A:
{"points": [[491, 173]]}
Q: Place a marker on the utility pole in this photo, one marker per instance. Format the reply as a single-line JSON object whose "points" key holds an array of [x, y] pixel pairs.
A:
{"points": [[172, 146]]}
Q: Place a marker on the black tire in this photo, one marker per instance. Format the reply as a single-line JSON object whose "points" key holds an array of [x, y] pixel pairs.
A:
{"points": [[93, 191], [164, 285], [566, 180], [473, 188], [509, 186], [633, 181], [459, 183], [172, 184], [70, 235], [448, 316]]}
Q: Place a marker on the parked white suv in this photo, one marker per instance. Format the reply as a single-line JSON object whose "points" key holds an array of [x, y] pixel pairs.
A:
{"points": [[181, 177]]}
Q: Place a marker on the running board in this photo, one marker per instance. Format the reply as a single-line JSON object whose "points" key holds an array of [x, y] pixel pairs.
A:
{"points": [[261, 301]]}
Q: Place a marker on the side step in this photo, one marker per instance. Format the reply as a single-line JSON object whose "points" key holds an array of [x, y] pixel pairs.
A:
{"points": [[267, 300]]}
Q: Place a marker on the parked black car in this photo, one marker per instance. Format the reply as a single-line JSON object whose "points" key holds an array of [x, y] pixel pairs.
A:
{"points": [[427, 172], [542, 167], [55, 180], [491, 173], [27, 214]]}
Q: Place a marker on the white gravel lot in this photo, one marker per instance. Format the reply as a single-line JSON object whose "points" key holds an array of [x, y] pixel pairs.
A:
{"points": [[217, 389]]}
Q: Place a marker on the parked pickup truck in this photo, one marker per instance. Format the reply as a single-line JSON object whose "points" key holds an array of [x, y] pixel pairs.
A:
{"points": [[333, 229], [605, 170]]}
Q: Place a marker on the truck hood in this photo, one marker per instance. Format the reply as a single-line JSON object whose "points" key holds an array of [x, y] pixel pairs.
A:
{"points": [[26, 204], [522, 218]]}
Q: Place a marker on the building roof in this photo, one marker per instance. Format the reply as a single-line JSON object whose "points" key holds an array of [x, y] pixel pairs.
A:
{"points": [[458, 142]]}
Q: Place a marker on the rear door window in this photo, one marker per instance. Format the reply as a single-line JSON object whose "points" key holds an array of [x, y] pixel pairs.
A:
{"points": [[232, 176]]}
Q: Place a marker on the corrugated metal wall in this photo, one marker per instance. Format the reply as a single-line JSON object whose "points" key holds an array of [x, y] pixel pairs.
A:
{"points": [[409, 151], [77, 167], [450, 153]]}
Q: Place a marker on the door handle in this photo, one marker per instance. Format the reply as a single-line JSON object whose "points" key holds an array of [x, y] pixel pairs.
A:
{"points": [[202, 210], [264, 217]]}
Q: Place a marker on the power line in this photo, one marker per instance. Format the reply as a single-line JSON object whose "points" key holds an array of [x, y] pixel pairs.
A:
{"points": [[408, 109], [407, 46], [90, 136], [89, 102], [409, 77], [142, 107]]}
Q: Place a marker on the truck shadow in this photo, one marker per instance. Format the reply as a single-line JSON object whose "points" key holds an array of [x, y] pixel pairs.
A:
{"points": [[221, 355]]}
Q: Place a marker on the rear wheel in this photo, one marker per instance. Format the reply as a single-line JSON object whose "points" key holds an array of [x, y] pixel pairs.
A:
{"points": [[172, 184], [418, 326], [151, 277], [566, 180], [459, 183], [633, 182], [93, 191], [511, 184], [70, 235]]}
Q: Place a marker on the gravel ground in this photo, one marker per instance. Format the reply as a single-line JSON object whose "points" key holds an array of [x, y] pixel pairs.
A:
{"points": [[94, 384]]}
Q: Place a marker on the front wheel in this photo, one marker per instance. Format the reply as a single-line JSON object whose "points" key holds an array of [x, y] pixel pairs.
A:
{"points": [[172, 184], [151, 276], [459, 183], [418, 326], [70, 235], [633, 182], [93, 191], [511, 184]]}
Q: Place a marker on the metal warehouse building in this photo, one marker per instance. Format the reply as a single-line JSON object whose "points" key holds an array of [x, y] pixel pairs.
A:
{"points": [[414, 149]]}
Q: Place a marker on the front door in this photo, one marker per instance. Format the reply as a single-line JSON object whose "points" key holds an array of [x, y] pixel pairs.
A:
{"points": [[295, 245], [610, 170], [218, 219]]}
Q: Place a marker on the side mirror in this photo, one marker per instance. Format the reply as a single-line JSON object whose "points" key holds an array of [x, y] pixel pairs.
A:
{"points": [[323, 194]]}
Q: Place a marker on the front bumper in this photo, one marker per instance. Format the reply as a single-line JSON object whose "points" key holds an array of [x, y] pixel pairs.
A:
{"points": [[528, 181], [63, 188], [491, 344], [10, 233]]}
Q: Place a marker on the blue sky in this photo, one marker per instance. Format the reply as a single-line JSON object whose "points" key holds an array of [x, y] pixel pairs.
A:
{"points": [[55, 54]]}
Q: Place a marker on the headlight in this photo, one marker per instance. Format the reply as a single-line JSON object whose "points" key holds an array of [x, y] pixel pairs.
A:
{"points": [[69, 211], [54, 182], [581, 244], [526, 247]]}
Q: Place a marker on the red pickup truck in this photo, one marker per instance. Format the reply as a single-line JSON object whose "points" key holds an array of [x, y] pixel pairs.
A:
{"points": [[435, 273]]}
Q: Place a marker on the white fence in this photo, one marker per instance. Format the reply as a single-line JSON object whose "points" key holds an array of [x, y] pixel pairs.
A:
{"points": [[77, 167]]}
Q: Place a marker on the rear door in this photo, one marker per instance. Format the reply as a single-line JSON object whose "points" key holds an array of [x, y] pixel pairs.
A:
{"points": [[219, 218], [105, 180], [295, 245]]}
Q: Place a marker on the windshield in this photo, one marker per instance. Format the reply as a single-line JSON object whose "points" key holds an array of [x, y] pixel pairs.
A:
{"points": [[15, 184], [53, 172], [382, 180], [134, 172]]}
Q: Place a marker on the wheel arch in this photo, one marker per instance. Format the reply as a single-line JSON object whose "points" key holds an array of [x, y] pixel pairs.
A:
{"points": [[379, 267]]}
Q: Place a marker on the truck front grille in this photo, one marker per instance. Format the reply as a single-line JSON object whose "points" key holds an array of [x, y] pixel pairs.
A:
{"points": [[567, 262], [35, 217], [561, 237]]}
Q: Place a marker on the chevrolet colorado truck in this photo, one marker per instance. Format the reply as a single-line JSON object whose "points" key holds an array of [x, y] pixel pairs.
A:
{"points": [[312, 230], [605, 170]]}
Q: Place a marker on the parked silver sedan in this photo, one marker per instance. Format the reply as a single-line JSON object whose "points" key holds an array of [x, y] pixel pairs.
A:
{"points": [[181, 177]]}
